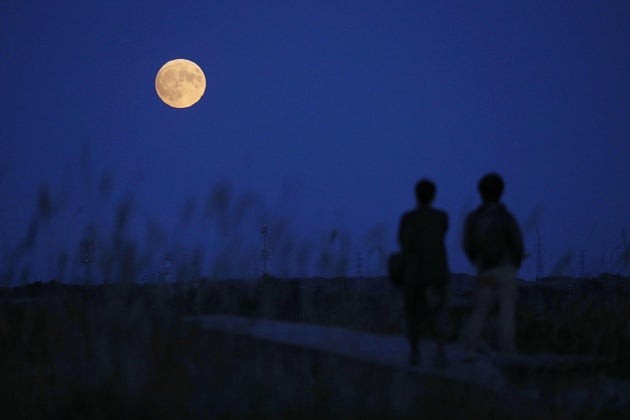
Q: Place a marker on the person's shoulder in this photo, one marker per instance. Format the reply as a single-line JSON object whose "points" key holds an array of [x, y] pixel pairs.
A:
{"points": [[440, 213], [436, 210], [409, 214], [473, 214], [510, 216], [502, 208]]}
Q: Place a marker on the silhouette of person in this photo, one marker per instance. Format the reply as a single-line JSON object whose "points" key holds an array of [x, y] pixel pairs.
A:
{"points": [[421, 237], [494, 245]]}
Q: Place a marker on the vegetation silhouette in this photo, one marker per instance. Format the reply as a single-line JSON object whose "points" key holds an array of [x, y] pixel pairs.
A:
{"points": [[70, 348]]}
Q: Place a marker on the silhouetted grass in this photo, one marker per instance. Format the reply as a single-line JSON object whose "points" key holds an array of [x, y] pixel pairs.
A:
{"points": [[121, 350]]}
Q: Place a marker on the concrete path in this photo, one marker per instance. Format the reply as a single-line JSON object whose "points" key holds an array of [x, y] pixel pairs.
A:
{"points": [[489, 370], [385, 349]]}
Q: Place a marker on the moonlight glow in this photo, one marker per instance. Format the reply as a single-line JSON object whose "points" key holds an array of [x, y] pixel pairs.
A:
{"points": [[180, 83]]}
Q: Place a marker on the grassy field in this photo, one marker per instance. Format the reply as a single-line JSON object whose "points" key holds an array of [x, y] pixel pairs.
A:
{"points": [[121, 351]]}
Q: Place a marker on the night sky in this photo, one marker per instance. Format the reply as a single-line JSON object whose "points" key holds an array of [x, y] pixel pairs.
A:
{"points": [[318, 119]]}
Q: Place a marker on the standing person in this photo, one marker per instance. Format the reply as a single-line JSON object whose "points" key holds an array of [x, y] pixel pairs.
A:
{"points": [[421, 238], [494, 245]]}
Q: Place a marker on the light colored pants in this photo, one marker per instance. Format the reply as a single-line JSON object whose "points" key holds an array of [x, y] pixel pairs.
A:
{"points": [[497, 283]]}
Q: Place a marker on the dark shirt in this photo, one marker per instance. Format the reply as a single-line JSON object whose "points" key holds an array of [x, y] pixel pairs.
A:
{"points": [[421, 238], [492, 237]]}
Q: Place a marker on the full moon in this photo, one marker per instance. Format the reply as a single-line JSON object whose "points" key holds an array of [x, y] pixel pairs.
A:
{"points": [[180, 83]]}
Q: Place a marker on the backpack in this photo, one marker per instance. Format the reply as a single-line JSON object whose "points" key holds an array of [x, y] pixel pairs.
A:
{"points": [[489, 237]]}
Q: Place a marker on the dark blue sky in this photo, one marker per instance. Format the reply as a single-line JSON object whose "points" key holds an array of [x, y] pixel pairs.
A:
{"points": [[317, 116]]}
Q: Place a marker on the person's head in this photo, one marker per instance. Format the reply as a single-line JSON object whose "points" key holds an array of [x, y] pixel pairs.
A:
{"points": [[491, 187], [425, 192]]}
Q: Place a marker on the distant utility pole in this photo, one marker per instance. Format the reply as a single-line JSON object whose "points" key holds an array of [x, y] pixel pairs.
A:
{"points": [[164, 277], [195, 271], [539, 257], [265, 251], [196, 279], [165, 274], [85, 255], [359, 264]]}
